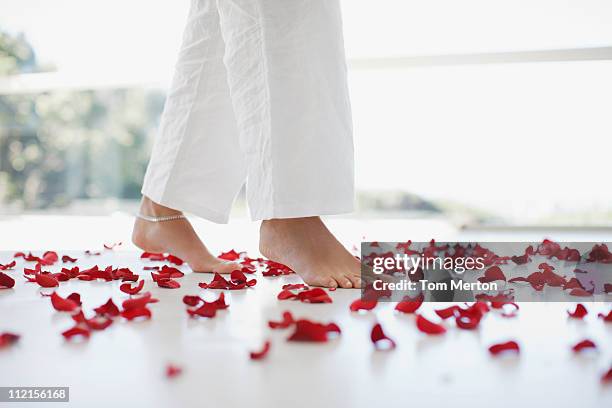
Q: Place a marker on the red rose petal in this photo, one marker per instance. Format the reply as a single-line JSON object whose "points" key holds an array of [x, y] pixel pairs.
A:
{"points": [[98, 322], [6, 282], [429, 327], [131, 314], [192, 300], [607, 376], [209, 309], [579, 312], [173, 371], [306, 330], [314, 295], [380, 340], [132, 290], [49, 258], [168, 283], [238, 278], [492, 274], [66, 259], [231, 255], [410, 305], [8, 339], [174, 259], [507, 346], [112, 246], [108, 309], [152, 256], [139, 302], [447, 312], [63, 305], [7, 266], [580, 292], [286, 294], [206, 310], [75, 297], [584, 344], [76, 331], [46, 280], [363, 305], [238, 281], [283, 324], [259, 355], [467, 322], [606, 317]]}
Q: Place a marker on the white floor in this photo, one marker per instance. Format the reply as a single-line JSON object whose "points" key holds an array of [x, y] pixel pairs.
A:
{"points": [[124, 365]]}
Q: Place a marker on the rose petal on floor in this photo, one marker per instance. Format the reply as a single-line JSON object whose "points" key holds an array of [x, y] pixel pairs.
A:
{"points": [[360, 304], [63, 305], [132, 290], [380, 340], [429, 327], [410, 305], [511, 345], [584, 344], [579, 312], [259, 355]]}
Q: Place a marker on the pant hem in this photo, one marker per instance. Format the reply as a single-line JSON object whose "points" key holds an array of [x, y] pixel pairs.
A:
{"points": [[304, 210], [198, 210]]}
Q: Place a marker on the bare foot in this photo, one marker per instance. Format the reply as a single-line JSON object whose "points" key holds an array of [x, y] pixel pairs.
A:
{"points": [[307, 247], [176, 237]]}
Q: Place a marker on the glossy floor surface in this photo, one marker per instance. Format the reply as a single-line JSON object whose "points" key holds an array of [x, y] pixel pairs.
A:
{"points": [[124, 365]]}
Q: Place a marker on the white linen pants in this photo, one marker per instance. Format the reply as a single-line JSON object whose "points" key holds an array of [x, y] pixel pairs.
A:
{"points": [[259, 95]]}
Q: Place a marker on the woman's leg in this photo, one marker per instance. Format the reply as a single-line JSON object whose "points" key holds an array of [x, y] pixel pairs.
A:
{"points": [[196, 164], [287, 76]]}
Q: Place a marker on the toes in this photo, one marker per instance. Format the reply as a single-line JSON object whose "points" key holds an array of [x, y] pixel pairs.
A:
{"points": [[323, 281], [344, 282], [356, 281]]}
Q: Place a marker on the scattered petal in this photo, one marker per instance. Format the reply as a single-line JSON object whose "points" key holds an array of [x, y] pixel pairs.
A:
{"points": [[168, 283], [360, 304], [7, 266], [132, 314], [108, 309], [259, 355], [492, 274], [63, 305], [380, 339], [429, 327], [607, 376], [132, 290], [580, 292], [76, 331], [6, 282], [7, 339], [410, 305], [46, 280], [579, 312], [192, 300], [584, 344], [173, 371], [447, 312], [507, 346], [283, 324], [231, 255], [306, 330], [606, 317]]}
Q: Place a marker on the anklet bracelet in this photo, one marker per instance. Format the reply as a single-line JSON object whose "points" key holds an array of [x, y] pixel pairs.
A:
{"points": [[160, 219]]}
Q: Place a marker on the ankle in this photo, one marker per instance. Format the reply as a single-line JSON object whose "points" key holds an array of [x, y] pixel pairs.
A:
{"points": [[279, 223], [151, 208]]}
